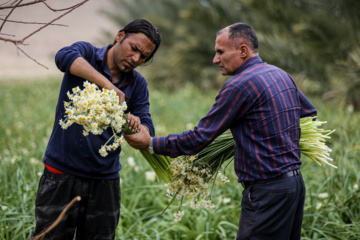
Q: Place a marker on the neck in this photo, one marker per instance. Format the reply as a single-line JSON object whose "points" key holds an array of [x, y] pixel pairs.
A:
{"points": [[114, 70]]}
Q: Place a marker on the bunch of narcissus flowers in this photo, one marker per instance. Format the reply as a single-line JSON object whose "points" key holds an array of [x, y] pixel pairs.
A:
{"points": [[191, 181], [96, 110]]}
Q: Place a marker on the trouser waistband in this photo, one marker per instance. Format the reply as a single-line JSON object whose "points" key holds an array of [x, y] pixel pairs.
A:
{"points": [[285, 175]]}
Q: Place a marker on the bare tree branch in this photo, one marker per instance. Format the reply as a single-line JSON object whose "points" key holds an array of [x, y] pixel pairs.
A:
{"points": [[11, 35], [12, 5], [64, 9], [22, 22], [5, 3], [29, 56], [2, 25], [71, 9]]}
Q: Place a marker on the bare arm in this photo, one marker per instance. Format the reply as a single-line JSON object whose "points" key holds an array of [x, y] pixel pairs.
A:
{"points": [[81, 68]]}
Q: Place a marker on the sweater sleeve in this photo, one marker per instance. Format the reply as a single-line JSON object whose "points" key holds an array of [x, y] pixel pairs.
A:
{"points": [[139, 104], [66, 55]]}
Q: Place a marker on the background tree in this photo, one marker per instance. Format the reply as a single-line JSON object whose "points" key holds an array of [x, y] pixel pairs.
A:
{"points": [[316, 41]]}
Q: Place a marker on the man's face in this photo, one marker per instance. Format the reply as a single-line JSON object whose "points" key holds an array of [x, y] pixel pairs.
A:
{"points": [[131, 50], [226, 55]]}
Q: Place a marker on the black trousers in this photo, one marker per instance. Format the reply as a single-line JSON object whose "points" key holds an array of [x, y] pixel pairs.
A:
{"points": [[96, 216], [273, 210]]}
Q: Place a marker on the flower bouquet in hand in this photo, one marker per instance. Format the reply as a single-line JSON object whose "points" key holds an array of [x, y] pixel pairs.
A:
{"points": [[96, 110]]}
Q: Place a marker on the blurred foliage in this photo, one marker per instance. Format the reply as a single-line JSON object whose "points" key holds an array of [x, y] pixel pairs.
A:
{"points": [[316, 41]]}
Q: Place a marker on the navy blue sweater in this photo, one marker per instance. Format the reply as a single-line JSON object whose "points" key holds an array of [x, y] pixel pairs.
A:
{"points": [[68, 150]]}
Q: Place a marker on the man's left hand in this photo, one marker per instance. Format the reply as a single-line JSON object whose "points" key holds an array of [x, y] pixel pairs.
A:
{"points": [[134, 122]]}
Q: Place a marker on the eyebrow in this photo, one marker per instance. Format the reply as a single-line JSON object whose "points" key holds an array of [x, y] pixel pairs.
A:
{"points": [[142, 54]]}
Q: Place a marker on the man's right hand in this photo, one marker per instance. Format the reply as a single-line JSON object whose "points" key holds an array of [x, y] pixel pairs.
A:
{"points": [[120, 94], [140, 140]]}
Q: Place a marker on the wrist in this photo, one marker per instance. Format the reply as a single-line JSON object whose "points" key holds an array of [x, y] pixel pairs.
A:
{"points": [[151, 148]]}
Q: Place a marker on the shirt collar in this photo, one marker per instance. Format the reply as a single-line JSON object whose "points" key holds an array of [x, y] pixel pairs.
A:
{"points": [[101, 55], [251, 62]]}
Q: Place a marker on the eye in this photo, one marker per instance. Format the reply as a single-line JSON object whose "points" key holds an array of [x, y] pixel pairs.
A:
{"points": [[220, 52]]}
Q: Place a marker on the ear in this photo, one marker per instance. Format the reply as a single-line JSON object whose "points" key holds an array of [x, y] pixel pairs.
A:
{"points": [[244, 50], [119, 36]]}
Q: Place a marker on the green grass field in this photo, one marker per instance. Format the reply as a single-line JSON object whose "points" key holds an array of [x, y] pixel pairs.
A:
{"points": [[332, 208]]}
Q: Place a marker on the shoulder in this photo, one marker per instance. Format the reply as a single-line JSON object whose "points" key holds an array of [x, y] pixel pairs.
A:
{"points": [[83, 46], [257, 74], [139, 79]]}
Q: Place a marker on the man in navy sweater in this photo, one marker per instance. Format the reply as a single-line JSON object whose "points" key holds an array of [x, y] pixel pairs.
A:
{"points": [[262, 106], [73, 164]]}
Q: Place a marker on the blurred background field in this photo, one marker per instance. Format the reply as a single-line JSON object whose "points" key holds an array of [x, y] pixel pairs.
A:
{"points": [[317, 42]]}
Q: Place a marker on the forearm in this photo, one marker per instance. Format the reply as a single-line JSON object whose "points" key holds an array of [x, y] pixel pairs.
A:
{"points": [[147, 128], [81, 68]]}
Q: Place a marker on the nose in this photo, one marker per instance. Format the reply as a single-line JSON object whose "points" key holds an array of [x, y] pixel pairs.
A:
{"points": [[136, 57], [216, 59]]}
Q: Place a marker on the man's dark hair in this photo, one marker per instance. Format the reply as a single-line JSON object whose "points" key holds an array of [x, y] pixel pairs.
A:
{"points": [[147, 28], [243, 30]]}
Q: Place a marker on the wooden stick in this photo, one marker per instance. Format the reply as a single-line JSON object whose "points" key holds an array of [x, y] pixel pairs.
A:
{"points": [[57, 221]]}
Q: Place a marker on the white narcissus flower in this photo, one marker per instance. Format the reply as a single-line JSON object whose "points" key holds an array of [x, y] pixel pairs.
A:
{"points": [[323, 195], [150, 176], [318, 206], [131, 161], [178, 216], [34, 161]]}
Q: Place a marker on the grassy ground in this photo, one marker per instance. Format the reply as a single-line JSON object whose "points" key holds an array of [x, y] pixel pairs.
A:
{"points": [[332, 208]]}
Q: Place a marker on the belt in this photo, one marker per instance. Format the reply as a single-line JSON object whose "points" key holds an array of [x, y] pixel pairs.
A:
{"points": [[291, 173]]}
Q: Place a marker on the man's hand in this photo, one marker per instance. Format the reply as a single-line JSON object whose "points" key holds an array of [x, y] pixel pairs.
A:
{"points": [[120, 94], [134, 122], [140, 140]]}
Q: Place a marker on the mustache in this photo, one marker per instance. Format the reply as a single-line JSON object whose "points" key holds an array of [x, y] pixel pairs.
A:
{"points": [[130, 62]]}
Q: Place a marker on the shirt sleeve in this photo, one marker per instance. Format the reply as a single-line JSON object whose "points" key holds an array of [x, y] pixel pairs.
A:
{"points": [[229, 105], [306, 108]]}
